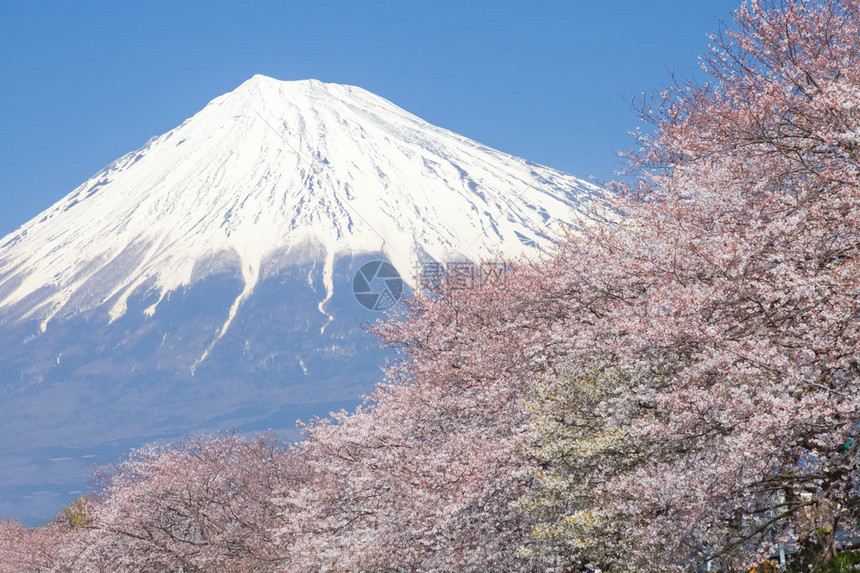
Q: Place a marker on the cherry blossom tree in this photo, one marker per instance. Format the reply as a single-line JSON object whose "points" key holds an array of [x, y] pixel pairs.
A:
{"points": [[200, 504], [23, 549], [49, 548], [423, 477], [727, 299]]}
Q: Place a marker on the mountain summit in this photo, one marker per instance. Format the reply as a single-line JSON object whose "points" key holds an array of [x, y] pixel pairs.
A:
{"points": [[205, 281]]}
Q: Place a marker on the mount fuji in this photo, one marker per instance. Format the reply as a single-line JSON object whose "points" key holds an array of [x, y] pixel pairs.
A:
{"points": [[205, 281]]}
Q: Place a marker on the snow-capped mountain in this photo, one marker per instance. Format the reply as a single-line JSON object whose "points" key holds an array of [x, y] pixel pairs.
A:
{"points": [[204, 280], [268, 168]]}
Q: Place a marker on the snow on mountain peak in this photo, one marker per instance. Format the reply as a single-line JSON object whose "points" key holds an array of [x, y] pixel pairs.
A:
{"points": [[273, 167]]}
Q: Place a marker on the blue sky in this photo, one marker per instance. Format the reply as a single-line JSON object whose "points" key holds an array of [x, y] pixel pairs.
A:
{"points": [[86, 82]]}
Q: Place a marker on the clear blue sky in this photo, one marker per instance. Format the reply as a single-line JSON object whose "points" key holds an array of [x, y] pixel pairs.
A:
{"points": [[82, 83]]}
